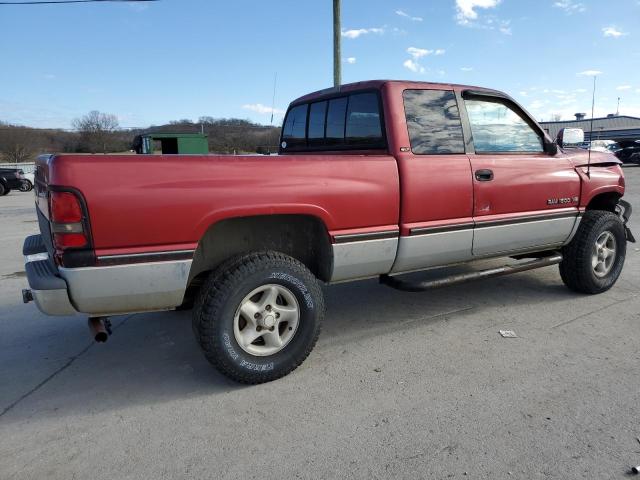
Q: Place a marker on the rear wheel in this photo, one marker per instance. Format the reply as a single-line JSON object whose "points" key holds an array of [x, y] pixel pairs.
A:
{"points": [[594, 259], [26, 186], [259, 316], [4, 190]]}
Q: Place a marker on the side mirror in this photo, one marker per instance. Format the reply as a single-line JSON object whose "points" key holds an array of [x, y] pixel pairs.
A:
{"points": [[550, 148], [570, 137]]}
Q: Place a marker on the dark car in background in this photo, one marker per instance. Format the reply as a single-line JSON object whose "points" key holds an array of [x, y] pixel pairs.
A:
{"points": [[10, 179], [629, 153]]}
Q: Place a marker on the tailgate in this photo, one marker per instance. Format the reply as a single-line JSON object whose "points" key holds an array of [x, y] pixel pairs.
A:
{"points": [[41, 177]]}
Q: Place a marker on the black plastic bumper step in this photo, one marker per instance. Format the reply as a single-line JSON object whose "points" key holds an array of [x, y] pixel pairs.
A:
{"points": [[33, 244], [42, 275]]}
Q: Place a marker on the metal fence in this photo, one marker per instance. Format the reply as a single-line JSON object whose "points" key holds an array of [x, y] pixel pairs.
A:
{"points": [[25, 167]]}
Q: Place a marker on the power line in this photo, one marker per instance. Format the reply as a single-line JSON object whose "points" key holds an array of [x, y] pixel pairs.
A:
{"points": [[53, 2]]}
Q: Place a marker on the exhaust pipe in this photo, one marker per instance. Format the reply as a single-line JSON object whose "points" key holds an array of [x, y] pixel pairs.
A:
{"points": [[27, 295], [100, 329]]}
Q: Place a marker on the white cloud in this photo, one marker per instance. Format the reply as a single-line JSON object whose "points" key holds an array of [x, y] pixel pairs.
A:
{"points": [[505, 27], [623, 87], [350, 60], [418, 52], [414, 66], [570, 6], [524, 93], [466, 9], [590, 73], [406, 15], [355, 33], [581, 90], [612, 32], [423, 52], [466, 69], [261, 109], [468, 16]]}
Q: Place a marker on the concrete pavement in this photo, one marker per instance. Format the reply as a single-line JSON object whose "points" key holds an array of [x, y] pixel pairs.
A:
{"points": [[400, 385]]}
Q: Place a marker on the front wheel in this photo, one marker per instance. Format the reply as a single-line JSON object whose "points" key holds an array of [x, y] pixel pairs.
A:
{"points": [[594, 259], [4, 190], [259, 318]]}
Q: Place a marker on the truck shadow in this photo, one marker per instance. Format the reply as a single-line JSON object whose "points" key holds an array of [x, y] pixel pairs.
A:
{"points": [[153, 358]]}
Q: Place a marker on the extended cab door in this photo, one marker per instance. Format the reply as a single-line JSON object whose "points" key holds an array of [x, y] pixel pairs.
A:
{"points": [[436, 190], [524, 198]]}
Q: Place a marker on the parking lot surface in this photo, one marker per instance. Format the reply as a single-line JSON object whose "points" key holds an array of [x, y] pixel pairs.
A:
{"points": [[400, 385]]}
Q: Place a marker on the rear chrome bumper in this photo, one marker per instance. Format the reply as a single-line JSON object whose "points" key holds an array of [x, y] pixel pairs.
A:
{"points": [[48, 289], [104, 290]]}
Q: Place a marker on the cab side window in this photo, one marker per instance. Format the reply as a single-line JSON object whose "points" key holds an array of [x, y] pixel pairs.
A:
{"points": [[346, 122], [497, 128], [335, 121], [295, 127], [433, 121], [363, 120]]}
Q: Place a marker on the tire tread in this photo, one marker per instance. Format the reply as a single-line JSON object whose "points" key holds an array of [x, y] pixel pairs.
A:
{"points": [[578, 253], [216, 290]]}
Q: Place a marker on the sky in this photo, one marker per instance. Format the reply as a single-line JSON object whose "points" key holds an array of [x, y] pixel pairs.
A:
{"points": [[173, 59]]}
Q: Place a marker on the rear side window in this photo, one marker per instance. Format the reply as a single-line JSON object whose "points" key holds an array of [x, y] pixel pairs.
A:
{"points": [[295, 127], [317, 117], [341, 123], [335, 121], [433, 121], [363, 120]]}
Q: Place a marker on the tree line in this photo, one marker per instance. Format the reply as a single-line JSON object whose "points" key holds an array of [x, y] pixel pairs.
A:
{"points": [[98, 132]]}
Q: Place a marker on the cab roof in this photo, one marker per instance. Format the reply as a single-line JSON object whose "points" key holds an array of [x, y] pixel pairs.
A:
{"points": [[378, 84]]}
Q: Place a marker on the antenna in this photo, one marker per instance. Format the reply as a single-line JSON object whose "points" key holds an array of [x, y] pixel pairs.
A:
{"points": [[593, 105], [273, 100]]}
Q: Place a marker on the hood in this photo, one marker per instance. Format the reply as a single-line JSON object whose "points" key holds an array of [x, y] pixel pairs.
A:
{"points": [[580, 157]]}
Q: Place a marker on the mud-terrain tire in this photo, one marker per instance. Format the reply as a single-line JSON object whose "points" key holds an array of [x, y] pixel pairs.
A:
{"points": [[593, 261], [266, 295]]}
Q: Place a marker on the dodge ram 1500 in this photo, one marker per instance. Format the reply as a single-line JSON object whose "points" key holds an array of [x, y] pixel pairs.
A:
{"points": [[373, 179]]}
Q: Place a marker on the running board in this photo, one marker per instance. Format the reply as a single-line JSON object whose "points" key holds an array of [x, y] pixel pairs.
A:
{"points": [[398, 284]]}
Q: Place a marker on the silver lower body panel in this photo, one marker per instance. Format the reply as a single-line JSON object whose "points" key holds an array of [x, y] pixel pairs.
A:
{"points": [[363, 259], [418, 252], [141, 287], [515, 237]]}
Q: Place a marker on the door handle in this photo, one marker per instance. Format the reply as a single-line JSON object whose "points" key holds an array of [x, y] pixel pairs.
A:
{"points": [[484, 175]]}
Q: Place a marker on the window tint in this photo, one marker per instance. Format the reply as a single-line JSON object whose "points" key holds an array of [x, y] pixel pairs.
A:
{"points": [[295, 126], [317, 113], [347, 122], [497, 128], [335, 121], [433, 121], [363, 120]]}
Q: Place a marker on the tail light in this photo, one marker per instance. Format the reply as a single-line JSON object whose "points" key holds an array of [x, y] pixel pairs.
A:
{"points": [[69, 224]]}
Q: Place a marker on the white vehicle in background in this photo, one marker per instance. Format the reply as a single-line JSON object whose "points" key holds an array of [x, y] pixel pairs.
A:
{"points": [[608, 146], [28, 180]]}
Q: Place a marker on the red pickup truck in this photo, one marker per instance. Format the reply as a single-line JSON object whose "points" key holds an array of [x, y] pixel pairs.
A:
{"points": [[374, 179]]}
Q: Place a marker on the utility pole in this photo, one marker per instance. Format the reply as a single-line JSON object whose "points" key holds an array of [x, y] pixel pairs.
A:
{"points": [[618, 109], [337, 32]]}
